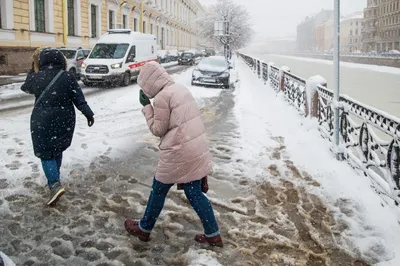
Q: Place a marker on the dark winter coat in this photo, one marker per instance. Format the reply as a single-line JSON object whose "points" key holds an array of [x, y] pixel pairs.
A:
{"points": [[53, 117]]}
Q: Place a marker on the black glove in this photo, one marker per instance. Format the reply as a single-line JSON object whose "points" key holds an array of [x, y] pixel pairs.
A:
{"points": [[90, 120], [144, 100]]}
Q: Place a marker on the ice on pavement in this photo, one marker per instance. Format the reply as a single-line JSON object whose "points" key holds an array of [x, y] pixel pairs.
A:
{"points": [[383, 69], [278, 194]]}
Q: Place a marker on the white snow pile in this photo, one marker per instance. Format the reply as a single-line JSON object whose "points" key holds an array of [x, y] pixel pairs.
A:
{"points": [[202, 257], [311, 88], [370, 230]]}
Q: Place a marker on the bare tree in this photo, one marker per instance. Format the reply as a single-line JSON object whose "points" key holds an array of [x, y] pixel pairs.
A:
{"points": [[239, 23]]}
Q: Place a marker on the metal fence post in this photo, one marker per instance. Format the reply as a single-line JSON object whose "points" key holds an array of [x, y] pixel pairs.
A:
{"points": [[312, 95], [282, 77]]}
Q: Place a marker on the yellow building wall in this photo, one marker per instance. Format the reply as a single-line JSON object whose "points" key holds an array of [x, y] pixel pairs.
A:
{"points": [[22, 23], [85, 23]]}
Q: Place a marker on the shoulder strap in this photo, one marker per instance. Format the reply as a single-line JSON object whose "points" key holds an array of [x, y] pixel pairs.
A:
{"points": [[49, 86]]}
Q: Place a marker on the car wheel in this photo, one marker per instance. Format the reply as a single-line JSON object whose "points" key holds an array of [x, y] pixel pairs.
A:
{"points": [[73, 72], [126, 80]]}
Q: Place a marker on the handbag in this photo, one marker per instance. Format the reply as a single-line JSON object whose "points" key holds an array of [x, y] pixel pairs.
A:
{"points": [[204, 185], [49, 86]]}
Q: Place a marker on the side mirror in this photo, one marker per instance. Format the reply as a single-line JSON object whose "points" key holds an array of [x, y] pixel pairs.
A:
{"points": [[80, 58], [230, 67]]}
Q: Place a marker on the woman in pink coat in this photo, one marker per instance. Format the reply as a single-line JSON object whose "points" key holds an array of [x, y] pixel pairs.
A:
{"points": [[184, 155]]}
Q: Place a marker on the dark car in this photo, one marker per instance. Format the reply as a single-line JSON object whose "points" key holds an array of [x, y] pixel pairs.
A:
{"points": [[212, 71], [187, 59], [210, 52]]}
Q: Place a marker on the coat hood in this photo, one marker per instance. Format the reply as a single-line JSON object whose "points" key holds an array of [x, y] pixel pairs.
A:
{"points": [[153, 78], [52, 59]]}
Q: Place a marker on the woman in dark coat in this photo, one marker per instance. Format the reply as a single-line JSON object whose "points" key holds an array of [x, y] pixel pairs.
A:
{"points": [[53, 117]]}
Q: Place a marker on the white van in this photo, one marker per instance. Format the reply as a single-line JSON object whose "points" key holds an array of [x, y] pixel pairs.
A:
{"points": [[118, 56]]}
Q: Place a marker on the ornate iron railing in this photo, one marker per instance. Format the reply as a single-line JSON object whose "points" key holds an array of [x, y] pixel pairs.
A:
{"points": [[274, 76], [265, 72], [370, 138], [295, 91]]}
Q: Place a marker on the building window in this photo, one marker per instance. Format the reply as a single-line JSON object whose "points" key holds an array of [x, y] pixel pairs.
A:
{"points": [[135, 24], [158, 34], [144, 26], [40, 21], [110, 19], [93, 16], [3, 60], [151, 28], [356, 31], [124, 19], [71, 17]]}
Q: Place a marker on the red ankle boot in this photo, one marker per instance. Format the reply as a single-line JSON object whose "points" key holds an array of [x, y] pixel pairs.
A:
{"points": [[213, 241], [132, 227]]}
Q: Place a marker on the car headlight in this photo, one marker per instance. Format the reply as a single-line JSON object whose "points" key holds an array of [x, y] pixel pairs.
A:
{"points": [[116, 66], [83, 66]]}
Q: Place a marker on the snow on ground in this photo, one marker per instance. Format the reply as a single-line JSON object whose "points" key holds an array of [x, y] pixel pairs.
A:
{"points": [[370, 228], [271, 170], [383, 69]]}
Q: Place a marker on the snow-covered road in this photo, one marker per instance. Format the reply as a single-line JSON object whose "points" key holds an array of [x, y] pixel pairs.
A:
{"points": [[279, 195]]}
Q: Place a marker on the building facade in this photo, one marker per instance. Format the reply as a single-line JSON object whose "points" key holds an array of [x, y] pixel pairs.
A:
{"points": [[351, 33], [381, 31], [328, 36], [319, 38], [28, 24], [306, 31]]}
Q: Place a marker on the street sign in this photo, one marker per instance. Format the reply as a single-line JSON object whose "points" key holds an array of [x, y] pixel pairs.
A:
{"points": [[220, 28]]}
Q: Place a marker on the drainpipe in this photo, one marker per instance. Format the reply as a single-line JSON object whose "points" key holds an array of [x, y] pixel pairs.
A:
{"points": [[65, 22], [141, 16]]}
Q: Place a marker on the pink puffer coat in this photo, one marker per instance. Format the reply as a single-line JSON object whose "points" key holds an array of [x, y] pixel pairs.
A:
{"points": [[176, 119]]}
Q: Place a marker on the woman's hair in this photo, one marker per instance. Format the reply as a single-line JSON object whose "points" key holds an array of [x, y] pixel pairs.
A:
{"points": [[35, 58]]}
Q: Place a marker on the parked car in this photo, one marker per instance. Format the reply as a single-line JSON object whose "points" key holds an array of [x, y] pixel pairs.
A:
{"points": [[212, 71], [210, 52], [187, 58], [118, 57], [394, 52], [75, 58], [163, 56], [173, 55]]}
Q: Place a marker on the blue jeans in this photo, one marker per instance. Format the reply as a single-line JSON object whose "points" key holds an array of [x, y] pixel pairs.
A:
{"points": [[197, 199], [51, 169]]}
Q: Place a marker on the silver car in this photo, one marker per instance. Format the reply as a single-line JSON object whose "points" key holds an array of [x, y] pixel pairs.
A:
{"points": [[75, 57]]}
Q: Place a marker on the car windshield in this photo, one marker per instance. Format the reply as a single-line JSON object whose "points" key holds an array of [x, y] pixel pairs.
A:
{"points": [[109, 50], [69, 54], [213, 62], [187, 55]]}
